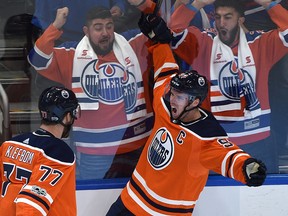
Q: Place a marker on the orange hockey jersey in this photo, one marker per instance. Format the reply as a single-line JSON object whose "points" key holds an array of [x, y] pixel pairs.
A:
{"points": [[37, 176], [174, 166]]}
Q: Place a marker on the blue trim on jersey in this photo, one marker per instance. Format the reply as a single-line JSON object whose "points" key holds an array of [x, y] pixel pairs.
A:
{"points": [[68, 45], [37, 60], [192, 8], [223, 102], [252, 35], [272, 4], [52, 146], [138, 108], [286, 38], [75, 79], [246, 125], [214, 82], [114, 135]]}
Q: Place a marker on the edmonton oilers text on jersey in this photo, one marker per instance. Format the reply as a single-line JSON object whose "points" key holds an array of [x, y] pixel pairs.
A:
{"points": [[235, 82], [161, 149], [110, 83]]}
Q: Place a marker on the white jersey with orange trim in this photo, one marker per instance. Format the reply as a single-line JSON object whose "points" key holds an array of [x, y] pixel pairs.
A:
{"points": [[267, 48], [37, 176], [105, 131], [174, 165]]}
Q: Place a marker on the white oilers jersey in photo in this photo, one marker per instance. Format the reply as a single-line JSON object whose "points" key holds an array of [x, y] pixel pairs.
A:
{"points": [[116, 114], [174, 165], [238, 95], [37, 176]]}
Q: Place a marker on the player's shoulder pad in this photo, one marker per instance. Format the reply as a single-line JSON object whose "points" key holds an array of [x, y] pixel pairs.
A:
{"points": [[52, 146], [59, 150], [208, 126]]}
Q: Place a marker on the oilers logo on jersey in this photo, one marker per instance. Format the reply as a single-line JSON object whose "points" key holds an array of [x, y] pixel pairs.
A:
{"points": [[161, 150], [235, 82], [110, 83]]}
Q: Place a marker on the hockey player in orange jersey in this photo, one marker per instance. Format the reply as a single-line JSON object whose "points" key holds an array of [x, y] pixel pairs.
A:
{"points": [[186, 141], [37, 169]]}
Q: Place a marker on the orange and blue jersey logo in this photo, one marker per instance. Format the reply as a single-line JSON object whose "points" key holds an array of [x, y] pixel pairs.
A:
{"points": [[235, 83], [110, 83], [161, 149]]}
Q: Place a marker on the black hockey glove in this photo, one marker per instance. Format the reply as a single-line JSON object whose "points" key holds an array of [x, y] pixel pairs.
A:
{"points": [[155, 28], [254, 171]]}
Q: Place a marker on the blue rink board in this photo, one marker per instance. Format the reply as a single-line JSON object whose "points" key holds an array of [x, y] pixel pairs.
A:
{"points": [[213, 180]]}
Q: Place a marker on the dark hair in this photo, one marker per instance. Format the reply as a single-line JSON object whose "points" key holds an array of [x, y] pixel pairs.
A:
{"points": [[98, 12], [236, 4]]}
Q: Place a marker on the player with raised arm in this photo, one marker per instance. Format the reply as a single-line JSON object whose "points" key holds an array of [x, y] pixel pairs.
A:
{"points": [[237, 62], [186, 141], [37, 169]]}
